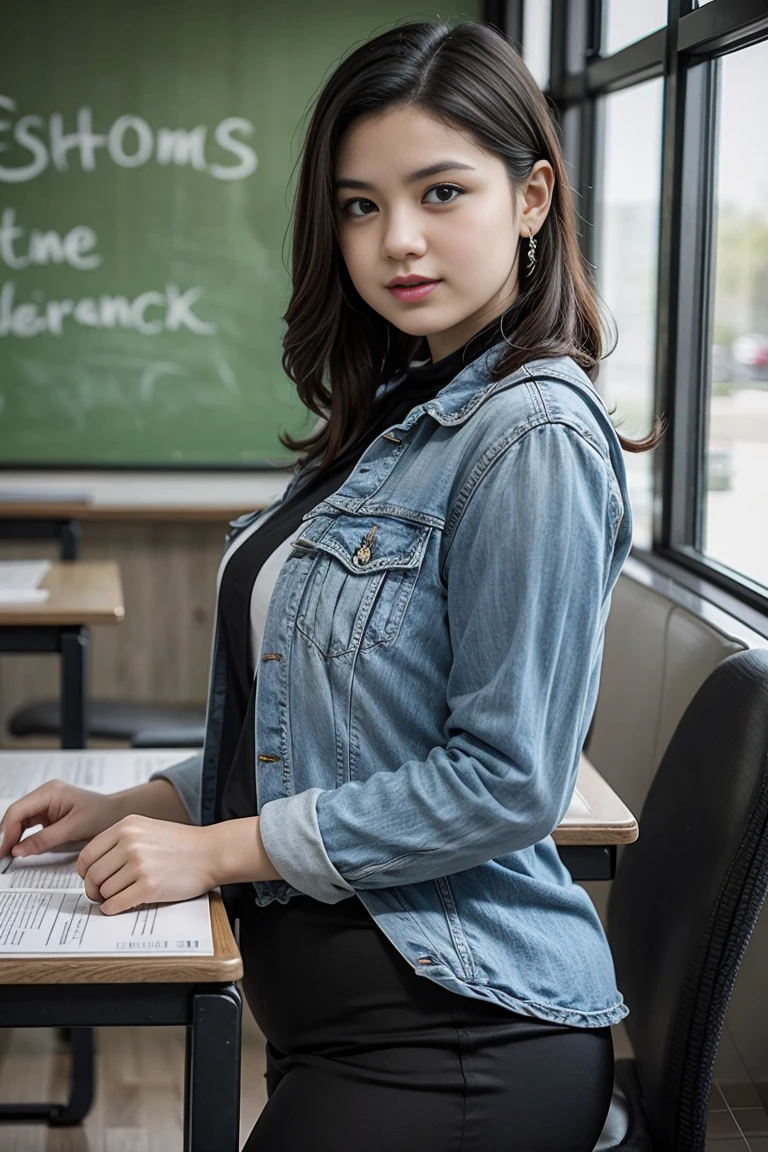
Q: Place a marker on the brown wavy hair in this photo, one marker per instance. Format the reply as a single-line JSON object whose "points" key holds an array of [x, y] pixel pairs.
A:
{"points": [[469, 77]]}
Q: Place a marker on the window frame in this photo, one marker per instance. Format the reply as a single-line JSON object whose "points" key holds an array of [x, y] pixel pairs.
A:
{"points": [[684, 54]]}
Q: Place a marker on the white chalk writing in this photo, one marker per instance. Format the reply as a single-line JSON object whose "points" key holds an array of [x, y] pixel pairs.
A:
{"points": [[130, 142]]}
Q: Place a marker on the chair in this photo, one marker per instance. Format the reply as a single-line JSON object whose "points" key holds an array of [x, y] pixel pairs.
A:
{"points": [[184, 736], [683, 906]]}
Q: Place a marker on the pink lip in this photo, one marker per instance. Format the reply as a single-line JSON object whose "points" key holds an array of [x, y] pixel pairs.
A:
{"points": [[409, 292]]}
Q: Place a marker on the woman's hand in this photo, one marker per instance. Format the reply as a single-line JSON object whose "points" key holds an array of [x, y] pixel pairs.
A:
{"points": [[66, 813], [144, 861]]}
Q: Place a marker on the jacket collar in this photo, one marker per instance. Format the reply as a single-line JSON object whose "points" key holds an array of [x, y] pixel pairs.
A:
{"points": [[455, 403]]}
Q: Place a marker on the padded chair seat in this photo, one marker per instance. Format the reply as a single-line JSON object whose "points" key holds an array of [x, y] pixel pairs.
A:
{"points": [[188, 736], [110, 719]]}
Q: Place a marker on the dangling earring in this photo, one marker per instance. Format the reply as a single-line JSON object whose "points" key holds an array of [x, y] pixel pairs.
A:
{"points": [[531, 253]]}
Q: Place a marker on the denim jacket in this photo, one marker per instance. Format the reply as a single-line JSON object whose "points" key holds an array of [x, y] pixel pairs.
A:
{"points": [[428, 673]]}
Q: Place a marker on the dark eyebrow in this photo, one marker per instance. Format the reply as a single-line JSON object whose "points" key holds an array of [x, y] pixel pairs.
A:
{"points": [[422, 174]]}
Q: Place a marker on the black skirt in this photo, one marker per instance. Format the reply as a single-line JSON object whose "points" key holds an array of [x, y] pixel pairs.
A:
{"points": [[364, 1053]]}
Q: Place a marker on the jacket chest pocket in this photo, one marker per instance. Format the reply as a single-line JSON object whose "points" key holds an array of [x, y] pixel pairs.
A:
{"points": [[361, 576]]}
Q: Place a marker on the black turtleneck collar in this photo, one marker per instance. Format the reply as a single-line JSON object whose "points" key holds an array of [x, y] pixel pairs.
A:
{"points": [[436, 374]]}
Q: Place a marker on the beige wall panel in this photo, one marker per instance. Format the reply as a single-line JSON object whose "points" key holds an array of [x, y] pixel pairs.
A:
{"points": [[621, 744]]}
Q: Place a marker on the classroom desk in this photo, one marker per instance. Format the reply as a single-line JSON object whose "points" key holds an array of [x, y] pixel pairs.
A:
{"points": [[596, 821], [199, 992], [81, 593], [49, 519], [83, 992]]}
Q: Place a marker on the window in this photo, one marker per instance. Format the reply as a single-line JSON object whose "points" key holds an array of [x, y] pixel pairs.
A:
{"points": [[537, 18], [627, 219], [736, 463], [661, 108], [625, 21]]}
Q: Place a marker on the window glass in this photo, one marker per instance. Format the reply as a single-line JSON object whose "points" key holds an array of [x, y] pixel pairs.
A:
{"points": [[625, 21], [627, 240], [537, 21], [571, 140], [736, 461]]}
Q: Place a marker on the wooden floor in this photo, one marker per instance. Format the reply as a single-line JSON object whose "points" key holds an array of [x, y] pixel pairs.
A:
{"points": [[139, 1085]]}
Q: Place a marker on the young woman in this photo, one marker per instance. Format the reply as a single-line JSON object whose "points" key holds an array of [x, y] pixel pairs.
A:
{"points": [[408, 642]]}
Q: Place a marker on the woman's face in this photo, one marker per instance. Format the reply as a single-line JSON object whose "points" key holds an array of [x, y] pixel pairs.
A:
{"points": [[458, 227]]}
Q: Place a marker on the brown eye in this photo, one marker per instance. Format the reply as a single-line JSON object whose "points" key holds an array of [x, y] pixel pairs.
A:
{"points": [[348, 207], [441, 189]]}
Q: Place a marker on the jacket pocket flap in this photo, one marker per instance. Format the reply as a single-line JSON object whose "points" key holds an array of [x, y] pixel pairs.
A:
{"points": [[367, 543]]}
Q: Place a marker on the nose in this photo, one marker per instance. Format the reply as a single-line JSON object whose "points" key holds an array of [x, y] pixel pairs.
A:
{"points": [[403, 235]]}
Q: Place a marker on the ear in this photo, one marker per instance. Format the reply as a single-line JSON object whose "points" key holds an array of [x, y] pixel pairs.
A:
{"points": [[535, 197]]}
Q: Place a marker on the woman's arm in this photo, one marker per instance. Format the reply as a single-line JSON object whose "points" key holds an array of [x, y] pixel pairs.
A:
{"points": [[527, 574], [157, 799], [237, 852]]}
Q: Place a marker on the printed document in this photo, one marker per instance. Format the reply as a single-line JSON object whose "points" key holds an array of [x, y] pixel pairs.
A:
{"points": [[101, 770], [44, 910], [43, 906]]}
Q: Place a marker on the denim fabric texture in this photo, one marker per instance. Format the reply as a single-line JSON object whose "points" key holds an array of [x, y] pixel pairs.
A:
{"points": [[428, 673]]}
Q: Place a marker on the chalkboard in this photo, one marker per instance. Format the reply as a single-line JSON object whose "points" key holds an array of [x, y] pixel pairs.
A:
{"points": [[146, 156]]}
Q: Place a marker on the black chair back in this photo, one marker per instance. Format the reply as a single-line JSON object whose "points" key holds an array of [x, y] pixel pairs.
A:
{"points": [[687, 895]]}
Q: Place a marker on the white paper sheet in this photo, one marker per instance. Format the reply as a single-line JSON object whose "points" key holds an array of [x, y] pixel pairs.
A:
{"points": [[34, 923], [578, 805], [19, 581], [109, 770], [43, 906], [44, 910], [21, 574]]}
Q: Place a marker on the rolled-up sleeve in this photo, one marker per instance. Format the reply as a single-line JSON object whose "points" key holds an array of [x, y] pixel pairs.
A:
{"points": [[527, 572], [186, 777]]}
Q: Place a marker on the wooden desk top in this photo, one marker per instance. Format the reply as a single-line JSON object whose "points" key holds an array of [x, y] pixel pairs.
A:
{"points": [[224, 966], [607, 821], [44, 509], [81, 592]]}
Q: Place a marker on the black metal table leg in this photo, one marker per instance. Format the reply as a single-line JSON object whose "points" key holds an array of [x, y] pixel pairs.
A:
{"points": [[589, 861], [81, 1082], [69, 540], [211, 1013], [74, 734], [212, 1072], [74, 687]]}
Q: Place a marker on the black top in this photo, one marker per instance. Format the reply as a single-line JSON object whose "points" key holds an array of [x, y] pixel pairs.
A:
{"points": [[235, 778]]}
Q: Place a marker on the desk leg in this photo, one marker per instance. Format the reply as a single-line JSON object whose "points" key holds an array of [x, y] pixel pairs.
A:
{"points": [[74, 688], [589, 861], [212, 1072], [80, 1090], [81, 1080], [69, 540], [74, 734]]}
